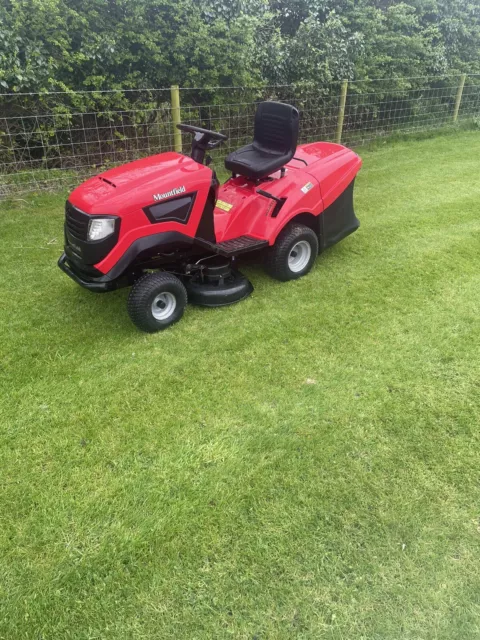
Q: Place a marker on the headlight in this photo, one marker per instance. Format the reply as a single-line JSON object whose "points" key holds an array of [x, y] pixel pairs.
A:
{"points": [[99, 228]]}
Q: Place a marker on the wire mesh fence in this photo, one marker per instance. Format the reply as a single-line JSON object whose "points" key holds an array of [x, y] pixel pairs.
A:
{"points": [[52, 141]]}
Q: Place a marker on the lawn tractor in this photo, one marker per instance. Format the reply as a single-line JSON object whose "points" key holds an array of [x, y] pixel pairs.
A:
{"points": [[166, 227]]}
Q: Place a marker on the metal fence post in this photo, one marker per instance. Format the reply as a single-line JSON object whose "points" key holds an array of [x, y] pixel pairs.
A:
{"points": [[177, 134], [341, 111], [458, 99]]}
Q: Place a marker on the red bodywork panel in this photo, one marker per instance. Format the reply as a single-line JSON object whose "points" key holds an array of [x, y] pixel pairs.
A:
{"points": [[313, 180], [308, 188]]}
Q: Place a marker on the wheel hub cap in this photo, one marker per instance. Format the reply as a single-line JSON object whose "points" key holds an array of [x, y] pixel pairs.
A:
{"points": [[163, 305], [299, 256]]}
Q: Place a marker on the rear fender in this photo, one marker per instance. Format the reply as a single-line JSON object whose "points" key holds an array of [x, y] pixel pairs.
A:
{"points": [[334, 223], [303, 205], [307, 219]]}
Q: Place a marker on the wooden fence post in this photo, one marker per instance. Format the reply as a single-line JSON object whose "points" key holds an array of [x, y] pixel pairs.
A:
{"points": [[341, 111], [458, 99], [177, 134]]}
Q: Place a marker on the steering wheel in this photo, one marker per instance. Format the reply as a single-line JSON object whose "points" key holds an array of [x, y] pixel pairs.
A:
{"points": [[206, 136]]}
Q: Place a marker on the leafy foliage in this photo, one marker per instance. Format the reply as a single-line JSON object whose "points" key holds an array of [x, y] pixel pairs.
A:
{"points": [[83, 47], [50, 45]]}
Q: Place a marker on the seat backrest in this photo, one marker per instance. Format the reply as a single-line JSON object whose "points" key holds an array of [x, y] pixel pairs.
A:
{"points": [[276, 127]]}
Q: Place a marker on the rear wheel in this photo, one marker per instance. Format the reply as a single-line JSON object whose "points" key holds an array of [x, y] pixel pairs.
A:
{"points": [[293, 254], [156, 301]]}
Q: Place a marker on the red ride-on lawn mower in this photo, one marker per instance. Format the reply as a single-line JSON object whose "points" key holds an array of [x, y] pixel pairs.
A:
{"points": [[164, 224]]}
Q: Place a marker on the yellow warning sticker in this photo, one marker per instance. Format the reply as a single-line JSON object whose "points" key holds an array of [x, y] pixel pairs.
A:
{"points": [[224, 206]]}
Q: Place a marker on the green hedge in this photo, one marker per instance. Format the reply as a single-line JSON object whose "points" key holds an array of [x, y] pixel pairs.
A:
{"points": [[48, 45]]}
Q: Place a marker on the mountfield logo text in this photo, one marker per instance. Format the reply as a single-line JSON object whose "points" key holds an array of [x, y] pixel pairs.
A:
{"points": [[174, 192]]}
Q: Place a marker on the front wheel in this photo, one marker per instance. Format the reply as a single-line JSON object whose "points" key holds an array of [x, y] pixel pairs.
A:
{"points": [[293, 254], [156, 301]]}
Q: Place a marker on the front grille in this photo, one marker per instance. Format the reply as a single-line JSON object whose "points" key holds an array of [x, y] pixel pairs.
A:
{"points": [[76, 222]]}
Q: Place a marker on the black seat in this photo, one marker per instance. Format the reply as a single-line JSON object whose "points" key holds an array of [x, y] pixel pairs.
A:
{"points": [[274, 142]]}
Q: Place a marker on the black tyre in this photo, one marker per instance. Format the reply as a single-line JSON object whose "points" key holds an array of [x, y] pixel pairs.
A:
{"points": [[293, 254], [156, 301]]}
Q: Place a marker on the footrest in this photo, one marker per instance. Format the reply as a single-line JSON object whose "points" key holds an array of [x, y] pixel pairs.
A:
{"points": [[235, 246]]}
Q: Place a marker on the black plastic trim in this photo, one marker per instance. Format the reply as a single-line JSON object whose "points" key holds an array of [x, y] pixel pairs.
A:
{"points": [[148, 246], [87, 270], [300, 160], [206, 228], [156, 219], [97, 285], [339, 219], [87, 251], [138, 251], [233, 247], [279, 201]]}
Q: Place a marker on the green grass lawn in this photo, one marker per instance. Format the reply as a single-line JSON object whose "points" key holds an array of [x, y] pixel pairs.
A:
{"points": [[304, 464]]}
